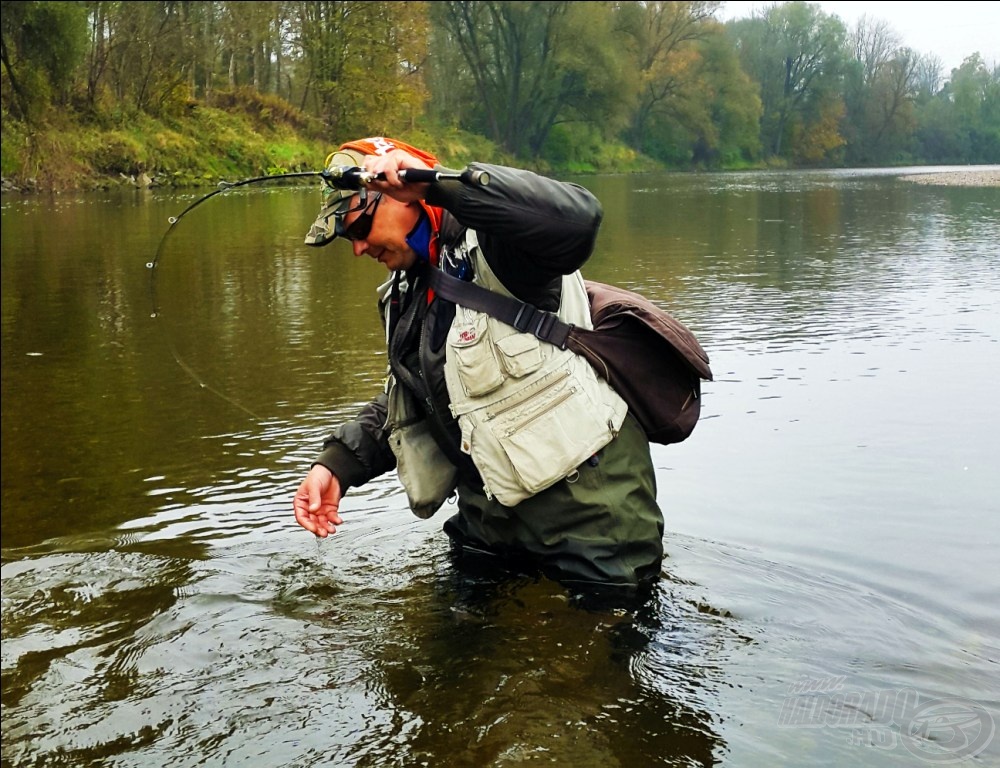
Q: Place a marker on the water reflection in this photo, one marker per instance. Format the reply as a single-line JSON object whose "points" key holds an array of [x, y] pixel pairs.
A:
{"points": [[496, 673]]}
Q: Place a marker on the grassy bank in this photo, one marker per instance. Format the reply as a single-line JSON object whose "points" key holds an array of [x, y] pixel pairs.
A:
{"points": [[242, 134], [241, 137], [208, 146]]}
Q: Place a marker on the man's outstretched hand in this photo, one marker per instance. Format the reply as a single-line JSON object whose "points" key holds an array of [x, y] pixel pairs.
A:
{"points": [[317, 502]]}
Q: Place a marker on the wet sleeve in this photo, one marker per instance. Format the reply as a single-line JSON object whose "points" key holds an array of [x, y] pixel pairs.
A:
{"points": [[358, 450]]}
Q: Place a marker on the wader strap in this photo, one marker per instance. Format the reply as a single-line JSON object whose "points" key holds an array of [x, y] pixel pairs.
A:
{"points": [[527, 318]]}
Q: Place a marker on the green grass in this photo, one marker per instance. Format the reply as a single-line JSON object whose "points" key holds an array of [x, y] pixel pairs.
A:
{"points": [[244, 135]]}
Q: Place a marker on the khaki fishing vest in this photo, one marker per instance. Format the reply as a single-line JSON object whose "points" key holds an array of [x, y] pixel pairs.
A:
{"points": [[529, 412]]}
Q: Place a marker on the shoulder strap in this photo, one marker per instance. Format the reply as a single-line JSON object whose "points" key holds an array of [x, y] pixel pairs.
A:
{"points": [[527, 318]]}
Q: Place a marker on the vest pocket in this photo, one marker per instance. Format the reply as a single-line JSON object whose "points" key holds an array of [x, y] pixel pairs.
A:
{"points": [[520, 354], [476, 362], [534, 439], [427, 476]]}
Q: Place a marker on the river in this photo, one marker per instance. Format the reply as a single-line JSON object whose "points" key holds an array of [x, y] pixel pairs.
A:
{"points": [[827, 597]]}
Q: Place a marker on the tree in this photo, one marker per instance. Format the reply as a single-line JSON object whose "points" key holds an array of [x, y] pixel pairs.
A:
{"points": [[733, 104], [873, 45], [147, 54], [976, 97], [42, 44], [363, 63], [927, 78], [663, 40], [880, 91], [534, 64], [252, 43], [796, 53]]}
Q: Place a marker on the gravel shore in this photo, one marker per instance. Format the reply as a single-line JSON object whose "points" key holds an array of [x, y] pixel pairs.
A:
{"points": [[989, 178]]}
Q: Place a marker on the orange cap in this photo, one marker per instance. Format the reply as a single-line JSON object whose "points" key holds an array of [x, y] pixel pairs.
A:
{"points": [[380, 145]]}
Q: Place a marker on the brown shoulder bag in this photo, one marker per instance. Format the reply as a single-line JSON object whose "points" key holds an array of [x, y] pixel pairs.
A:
{"points": [[650, 358]]}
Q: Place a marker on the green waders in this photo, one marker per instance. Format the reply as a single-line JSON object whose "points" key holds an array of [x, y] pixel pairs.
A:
{"points": [[602, 527]]}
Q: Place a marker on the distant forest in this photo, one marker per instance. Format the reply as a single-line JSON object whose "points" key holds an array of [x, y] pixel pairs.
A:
{"points": [[562, 85]]}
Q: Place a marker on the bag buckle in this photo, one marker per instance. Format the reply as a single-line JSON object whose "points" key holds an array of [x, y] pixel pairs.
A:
{"points": [[524, 317], [546, 325]]}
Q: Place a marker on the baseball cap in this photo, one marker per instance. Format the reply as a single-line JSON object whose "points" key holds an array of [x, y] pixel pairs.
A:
{"points": [[336, 202]]}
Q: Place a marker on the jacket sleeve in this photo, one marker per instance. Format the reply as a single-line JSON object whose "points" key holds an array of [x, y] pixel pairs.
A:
{"points": [[532, 229], [358, 450]]}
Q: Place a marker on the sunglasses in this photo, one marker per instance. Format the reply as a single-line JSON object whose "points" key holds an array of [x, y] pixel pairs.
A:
{"points": [[361, 227]]}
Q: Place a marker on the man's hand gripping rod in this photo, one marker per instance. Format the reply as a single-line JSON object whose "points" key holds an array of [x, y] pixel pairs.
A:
{"points": [[352, 177]]}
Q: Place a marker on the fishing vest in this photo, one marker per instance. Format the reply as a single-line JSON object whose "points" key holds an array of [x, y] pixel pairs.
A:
{"points": [[529, 412]]}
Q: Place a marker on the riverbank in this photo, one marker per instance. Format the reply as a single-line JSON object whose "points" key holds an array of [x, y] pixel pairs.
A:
{"points": [[977, 178]]}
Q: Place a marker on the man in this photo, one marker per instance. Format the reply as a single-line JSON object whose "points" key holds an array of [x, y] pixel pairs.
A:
{"points": [[550, 472]]}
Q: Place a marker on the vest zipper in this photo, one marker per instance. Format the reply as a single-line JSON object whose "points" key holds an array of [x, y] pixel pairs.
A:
{"points": [[492, 414], [559, 401]]}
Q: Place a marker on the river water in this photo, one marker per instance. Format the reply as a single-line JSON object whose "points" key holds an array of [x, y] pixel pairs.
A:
{"points": [[830, 597]]}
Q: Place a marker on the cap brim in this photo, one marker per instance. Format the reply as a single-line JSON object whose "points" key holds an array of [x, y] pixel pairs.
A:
{"points": [[337, 201], [323, 230]]}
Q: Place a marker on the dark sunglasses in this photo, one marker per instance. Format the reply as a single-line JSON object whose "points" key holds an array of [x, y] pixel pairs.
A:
{"points": [[361, 227]]}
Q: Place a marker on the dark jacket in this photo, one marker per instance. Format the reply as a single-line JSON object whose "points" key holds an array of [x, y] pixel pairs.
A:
{"points": [[532, 231]]}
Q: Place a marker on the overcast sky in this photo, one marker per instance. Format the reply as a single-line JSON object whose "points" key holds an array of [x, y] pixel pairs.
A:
{"points": [[951, 31]]}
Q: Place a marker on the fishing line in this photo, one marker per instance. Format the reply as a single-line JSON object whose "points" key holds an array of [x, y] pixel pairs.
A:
{"points": [[224, 186]]}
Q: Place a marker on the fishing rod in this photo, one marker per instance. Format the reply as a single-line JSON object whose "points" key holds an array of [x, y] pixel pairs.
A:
{"points": [[224, 186], [352, 177], [337, 177]]}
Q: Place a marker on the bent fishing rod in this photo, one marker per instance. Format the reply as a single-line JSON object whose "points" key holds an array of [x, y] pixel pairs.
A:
{"points": [[343, 177], [350, 178]]}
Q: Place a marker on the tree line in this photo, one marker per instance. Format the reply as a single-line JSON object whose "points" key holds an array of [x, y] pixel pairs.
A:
{"points": [[566, 84]]}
